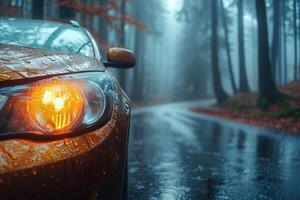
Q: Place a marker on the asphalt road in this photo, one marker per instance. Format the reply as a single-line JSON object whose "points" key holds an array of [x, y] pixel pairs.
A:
{"points": [[177, 154]]}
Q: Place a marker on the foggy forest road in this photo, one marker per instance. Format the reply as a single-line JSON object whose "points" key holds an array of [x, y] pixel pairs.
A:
{"points": [[177, 154]]}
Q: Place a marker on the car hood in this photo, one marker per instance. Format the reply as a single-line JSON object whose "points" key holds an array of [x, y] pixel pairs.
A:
{"points": [[18, 63]]}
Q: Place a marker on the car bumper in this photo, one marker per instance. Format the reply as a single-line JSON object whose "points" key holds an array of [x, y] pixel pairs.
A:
{"points": [[89, 165]]}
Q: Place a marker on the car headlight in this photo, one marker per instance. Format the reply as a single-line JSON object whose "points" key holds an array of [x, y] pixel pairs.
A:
{"points": [[53, 108]]}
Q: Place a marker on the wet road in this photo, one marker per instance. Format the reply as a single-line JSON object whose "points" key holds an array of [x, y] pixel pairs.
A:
{"points": [[177, 154]]}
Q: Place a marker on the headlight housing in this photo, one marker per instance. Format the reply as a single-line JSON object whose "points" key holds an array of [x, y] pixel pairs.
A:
{"points": [[57, 107]]}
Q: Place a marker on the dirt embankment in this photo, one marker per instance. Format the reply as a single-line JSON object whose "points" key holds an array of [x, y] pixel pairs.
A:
{"points": [[284, 116]]}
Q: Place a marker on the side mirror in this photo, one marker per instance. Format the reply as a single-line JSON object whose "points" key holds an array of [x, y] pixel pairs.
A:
{"points": [[119, 58]]}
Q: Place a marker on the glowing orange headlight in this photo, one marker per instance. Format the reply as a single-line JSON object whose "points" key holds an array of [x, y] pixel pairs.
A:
{"points": [[56, 106]]}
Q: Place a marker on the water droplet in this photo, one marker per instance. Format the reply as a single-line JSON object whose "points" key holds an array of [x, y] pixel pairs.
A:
{"points": [[5, 58], [34, 172], [117, 156], [75, 143], [44, 184], [4, 77], [31, 72], [104, 173], [67, 142], [31, 149], [13, 156]]}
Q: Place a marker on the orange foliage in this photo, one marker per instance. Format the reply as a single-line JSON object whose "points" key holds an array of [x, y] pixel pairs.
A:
{"points": [[111, 12]]}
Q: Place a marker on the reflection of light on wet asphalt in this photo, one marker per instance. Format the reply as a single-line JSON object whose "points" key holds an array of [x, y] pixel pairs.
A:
{"points": [[177, 154]]}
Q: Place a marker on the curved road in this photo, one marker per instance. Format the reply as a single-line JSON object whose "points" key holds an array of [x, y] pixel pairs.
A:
{"points": [[177, 154]]}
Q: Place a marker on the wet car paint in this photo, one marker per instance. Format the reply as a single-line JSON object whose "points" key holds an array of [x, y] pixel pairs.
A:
{"points": [[177, 154], [19, 63], [91, 165]]}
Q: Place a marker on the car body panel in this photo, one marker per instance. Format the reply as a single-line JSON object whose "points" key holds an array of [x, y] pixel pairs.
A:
{"points": [[90, 165], [17, 63]]}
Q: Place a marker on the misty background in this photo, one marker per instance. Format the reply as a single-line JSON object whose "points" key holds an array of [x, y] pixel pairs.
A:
{"points": [[172, 41]]}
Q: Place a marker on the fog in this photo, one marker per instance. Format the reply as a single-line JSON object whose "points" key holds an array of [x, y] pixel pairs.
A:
{"points": [[172, 43]]}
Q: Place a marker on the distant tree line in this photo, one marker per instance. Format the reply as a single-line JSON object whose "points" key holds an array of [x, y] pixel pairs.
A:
{"points": [[270, 62], [272, 48], [206, 55]]}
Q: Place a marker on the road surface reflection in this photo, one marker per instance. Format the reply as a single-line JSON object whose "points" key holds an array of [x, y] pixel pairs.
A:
{"points": [[177, 154]]}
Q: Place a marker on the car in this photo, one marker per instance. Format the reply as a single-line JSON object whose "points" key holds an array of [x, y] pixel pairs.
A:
{"points": [[64, 119]]}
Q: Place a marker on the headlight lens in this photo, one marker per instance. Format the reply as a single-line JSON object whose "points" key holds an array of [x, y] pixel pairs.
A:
{"points": [[53, 107]]}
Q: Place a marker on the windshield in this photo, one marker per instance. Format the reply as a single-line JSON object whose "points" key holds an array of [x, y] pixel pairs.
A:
{"points": [[46, 35]]}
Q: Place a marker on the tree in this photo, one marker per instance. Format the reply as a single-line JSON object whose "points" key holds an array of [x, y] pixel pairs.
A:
{"points": [[65, 12], [267, 88], [138, 81], [108, 10], [295, 39], [227, 46], [195, 70], [218, 89], [144, 70], [103, 29], [244, 87], [37, 9], [284, 13], [122, 72], [276, 37]]}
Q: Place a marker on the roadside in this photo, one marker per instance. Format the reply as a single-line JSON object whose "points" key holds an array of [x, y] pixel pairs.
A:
{"points": [[283, 117], [183, 104], [186, 105]]}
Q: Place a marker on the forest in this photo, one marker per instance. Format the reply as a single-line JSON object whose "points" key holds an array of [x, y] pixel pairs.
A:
{"points": [[215, 110], [189, 49]]}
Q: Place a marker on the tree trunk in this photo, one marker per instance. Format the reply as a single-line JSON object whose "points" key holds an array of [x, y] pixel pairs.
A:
{"points": [[227, 46], [65, 13], [37, 9], [295, 39], [279, 57], [218, 89], [276, 35], [122, 72], [285, 70], [138, 82], [267, 88], [299, 31], [244, 87], [103, 26]]}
